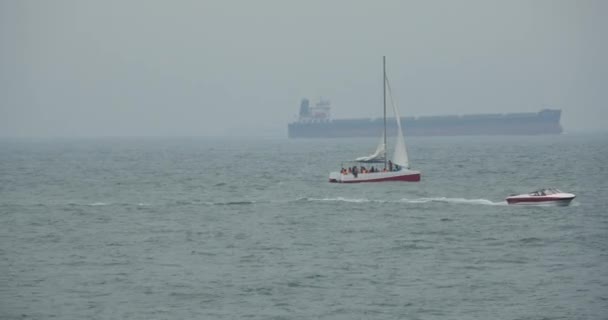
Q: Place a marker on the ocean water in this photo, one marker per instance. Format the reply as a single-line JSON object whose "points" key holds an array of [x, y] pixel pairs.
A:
{"points": [[201, 228]]}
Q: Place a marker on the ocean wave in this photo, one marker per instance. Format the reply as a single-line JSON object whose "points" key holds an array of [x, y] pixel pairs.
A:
{"points": [[96, 204], [233, 203], [342, 199]]}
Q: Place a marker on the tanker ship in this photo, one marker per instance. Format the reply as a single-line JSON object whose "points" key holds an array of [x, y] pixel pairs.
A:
{"points": [[315, 122]]}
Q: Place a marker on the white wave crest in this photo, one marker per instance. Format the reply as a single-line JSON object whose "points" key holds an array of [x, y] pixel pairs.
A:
{"points": [[95, 204], [340, 199]]}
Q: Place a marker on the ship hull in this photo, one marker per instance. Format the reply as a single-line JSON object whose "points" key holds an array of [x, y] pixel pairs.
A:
{"points": [[543, 122]]}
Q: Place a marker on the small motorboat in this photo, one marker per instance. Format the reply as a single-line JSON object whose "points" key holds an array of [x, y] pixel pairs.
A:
{"points": [[548, 196]]}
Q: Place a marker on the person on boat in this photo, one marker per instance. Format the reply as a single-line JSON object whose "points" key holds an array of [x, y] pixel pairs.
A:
{"points": [[390, 165], [355, 171]]}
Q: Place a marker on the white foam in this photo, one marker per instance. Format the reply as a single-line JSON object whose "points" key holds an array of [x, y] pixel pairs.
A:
{"points": [[95, 204], [339, 199]]}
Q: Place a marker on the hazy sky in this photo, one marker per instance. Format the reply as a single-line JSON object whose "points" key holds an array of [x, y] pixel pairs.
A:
{"points": [[172, 68]]}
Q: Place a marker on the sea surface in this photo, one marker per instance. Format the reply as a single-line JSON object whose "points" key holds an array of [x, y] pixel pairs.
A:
{"points": [[227, 228]]}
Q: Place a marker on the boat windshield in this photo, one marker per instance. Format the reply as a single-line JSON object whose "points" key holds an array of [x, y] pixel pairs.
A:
{"points": [[546, 191]]}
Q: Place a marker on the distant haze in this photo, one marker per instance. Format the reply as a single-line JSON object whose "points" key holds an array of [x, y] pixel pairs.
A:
{"points": [[214, 68]]}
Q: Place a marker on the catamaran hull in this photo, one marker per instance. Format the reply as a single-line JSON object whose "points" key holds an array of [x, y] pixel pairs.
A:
{"points": [[408, 176]]}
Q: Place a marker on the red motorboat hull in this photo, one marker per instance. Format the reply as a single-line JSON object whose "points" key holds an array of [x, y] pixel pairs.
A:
{"points": [[541, 200]]}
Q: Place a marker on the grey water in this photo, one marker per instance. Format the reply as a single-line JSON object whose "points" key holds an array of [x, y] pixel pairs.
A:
{"points": [[202, 228]]}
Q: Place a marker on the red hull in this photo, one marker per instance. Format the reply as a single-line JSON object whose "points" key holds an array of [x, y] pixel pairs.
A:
{"points": [[408, 178]]}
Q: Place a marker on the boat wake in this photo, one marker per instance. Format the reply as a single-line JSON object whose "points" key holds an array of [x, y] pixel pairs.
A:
{"points": [[415, 201], [247, 202], [456, 200]]}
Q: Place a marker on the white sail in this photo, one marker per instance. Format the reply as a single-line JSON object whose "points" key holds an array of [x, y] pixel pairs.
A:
{"points": [[377, 156], [400, 156]]}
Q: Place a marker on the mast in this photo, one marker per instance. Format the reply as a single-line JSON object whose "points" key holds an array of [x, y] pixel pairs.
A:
{"points": [[384, 97]]}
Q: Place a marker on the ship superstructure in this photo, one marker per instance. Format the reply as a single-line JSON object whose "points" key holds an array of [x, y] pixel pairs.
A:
{"points": [[318, 113]]}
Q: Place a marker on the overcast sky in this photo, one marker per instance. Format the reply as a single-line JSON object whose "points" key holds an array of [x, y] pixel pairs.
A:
{"points": [[208, 68]]}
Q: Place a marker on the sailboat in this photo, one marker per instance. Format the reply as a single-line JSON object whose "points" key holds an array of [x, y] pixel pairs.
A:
{"points": [[397, 169]]}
